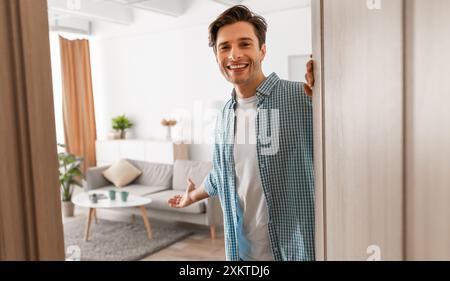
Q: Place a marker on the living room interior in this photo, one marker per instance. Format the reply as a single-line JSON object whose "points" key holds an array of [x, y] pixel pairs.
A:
{"points": [[136, 88], [381, 152]]}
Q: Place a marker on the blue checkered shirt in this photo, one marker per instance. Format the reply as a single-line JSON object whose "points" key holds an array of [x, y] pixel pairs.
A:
{"points": [[284, 131]]}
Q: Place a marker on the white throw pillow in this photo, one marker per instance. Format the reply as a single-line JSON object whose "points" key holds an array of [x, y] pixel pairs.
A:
{"points": [[122, 173]]}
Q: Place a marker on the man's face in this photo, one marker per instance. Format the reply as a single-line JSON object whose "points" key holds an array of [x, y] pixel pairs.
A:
{"points": [[238, 53]]}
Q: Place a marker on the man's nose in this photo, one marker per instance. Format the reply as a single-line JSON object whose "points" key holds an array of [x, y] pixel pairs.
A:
{"points": [[235, 54]]}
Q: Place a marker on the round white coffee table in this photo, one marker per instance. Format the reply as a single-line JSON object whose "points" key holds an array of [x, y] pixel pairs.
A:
{"points": [[83, 200]]}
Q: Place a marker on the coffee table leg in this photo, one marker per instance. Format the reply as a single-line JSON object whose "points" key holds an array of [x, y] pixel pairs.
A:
{"points": [[95, 216], [88, 224], [147, 224]]}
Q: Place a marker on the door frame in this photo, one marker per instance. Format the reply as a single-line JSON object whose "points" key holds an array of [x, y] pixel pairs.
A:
{"points": [[319, 132]]}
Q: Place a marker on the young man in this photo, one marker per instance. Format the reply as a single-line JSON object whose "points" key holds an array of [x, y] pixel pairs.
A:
{"points": [[263, 157]]}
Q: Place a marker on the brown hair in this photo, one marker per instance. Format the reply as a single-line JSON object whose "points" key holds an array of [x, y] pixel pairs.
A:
{"points": [[236, 14]]}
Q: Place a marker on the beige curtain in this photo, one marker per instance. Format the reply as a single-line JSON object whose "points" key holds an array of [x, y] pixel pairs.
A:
{"points": [[78, 102]]}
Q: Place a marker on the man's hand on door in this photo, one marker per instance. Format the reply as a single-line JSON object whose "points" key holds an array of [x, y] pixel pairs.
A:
{"points": [[309, 77]]}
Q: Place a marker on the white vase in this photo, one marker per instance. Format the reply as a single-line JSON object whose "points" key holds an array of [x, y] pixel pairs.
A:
{"points": [[114, 135], [168, 133]]}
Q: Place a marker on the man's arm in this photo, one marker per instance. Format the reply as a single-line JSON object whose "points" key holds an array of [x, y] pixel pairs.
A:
{"points": [[190, 196]]}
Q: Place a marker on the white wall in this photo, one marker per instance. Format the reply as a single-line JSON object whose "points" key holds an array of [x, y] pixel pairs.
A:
{"points": [[161, 66], [57, 86]]}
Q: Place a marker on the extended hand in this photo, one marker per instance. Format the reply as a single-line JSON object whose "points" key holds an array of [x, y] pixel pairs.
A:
{"points": [[309, 76], [182, 201]]}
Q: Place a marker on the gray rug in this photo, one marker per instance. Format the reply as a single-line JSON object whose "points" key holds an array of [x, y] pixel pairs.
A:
{"points": [[120, 241]]}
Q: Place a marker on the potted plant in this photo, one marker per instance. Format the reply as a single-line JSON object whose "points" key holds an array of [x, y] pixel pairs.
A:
{"points": [[70, 175], [121, 123]]}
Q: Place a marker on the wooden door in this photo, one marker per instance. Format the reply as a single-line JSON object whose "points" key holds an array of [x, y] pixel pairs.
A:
{"points": [[359, 128], [427, 162], [30, 208]]}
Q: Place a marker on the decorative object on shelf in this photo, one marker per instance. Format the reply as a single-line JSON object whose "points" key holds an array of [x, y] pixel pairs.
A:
{"points": [[114, 135], [69, 175], [168, 123], [121, 124]]}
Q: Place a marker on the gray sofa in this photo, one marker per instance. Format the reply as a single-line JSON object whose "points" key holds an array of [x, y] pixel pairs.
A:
{"points": [[162, 181]]}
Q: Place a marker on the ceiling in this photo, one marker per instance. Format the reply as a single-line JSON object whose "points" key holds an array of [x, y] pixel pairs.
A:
{"points": [[78, 16]]}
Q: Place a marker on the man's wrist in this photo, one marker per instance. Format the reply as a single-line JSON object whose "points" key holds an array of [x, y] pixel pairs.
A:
{"points": [[191, 196]]}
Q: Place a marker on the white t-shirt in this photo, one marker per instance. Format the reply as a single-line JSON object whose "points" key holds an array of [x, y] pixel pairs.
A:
{"points": [[254, 242]]}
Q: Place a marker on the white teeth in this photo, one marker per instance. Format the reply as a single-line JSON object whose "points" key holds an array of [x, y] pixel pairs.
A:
{"points": [[237, 66]]}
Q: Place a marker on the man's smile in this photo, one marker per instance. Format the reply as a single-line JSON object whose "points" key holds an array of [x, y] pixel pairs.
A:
{"points": [[236, 68]]}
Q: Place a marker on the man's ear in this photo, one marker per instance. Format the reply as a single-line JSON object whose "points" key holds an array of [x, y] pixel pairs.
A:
{"points": [[263, 51]]}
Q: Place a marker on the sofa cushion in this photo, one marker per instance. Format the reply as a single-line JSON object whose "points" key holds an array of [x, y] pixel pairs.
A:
{"points": [[136, 189], [184, 169], [153, 174], [160, 202], [121, 173]]}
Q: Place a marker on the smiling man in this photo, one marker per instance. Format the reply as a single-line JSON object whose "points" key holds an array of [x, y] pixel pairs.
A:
{"points": [[263, 157]]}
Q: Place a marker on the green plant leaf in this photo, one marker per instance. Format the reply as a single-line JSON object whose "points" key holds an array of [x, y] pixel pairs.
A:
{"points": [[121, 123], [70, 173]]}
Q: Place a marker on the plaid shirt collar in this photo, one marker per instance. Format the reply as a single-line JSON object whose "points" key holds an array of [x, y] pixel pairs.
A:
{"points": [[264, 89]]}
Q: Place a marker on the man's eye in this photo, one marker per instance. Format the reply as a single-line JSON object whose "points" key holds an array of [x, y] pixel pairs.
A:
{"points": [[224, 48]]}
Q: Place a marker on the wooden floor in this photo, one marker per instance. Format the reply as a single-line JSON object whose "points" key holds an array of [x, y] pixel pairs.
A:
{"points": [[197, 247]]}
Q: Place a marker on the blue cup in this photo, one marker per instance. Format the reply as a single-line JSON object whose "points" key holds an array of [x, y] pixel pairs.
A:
{"points": [[124, 195], [112, 195]]}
